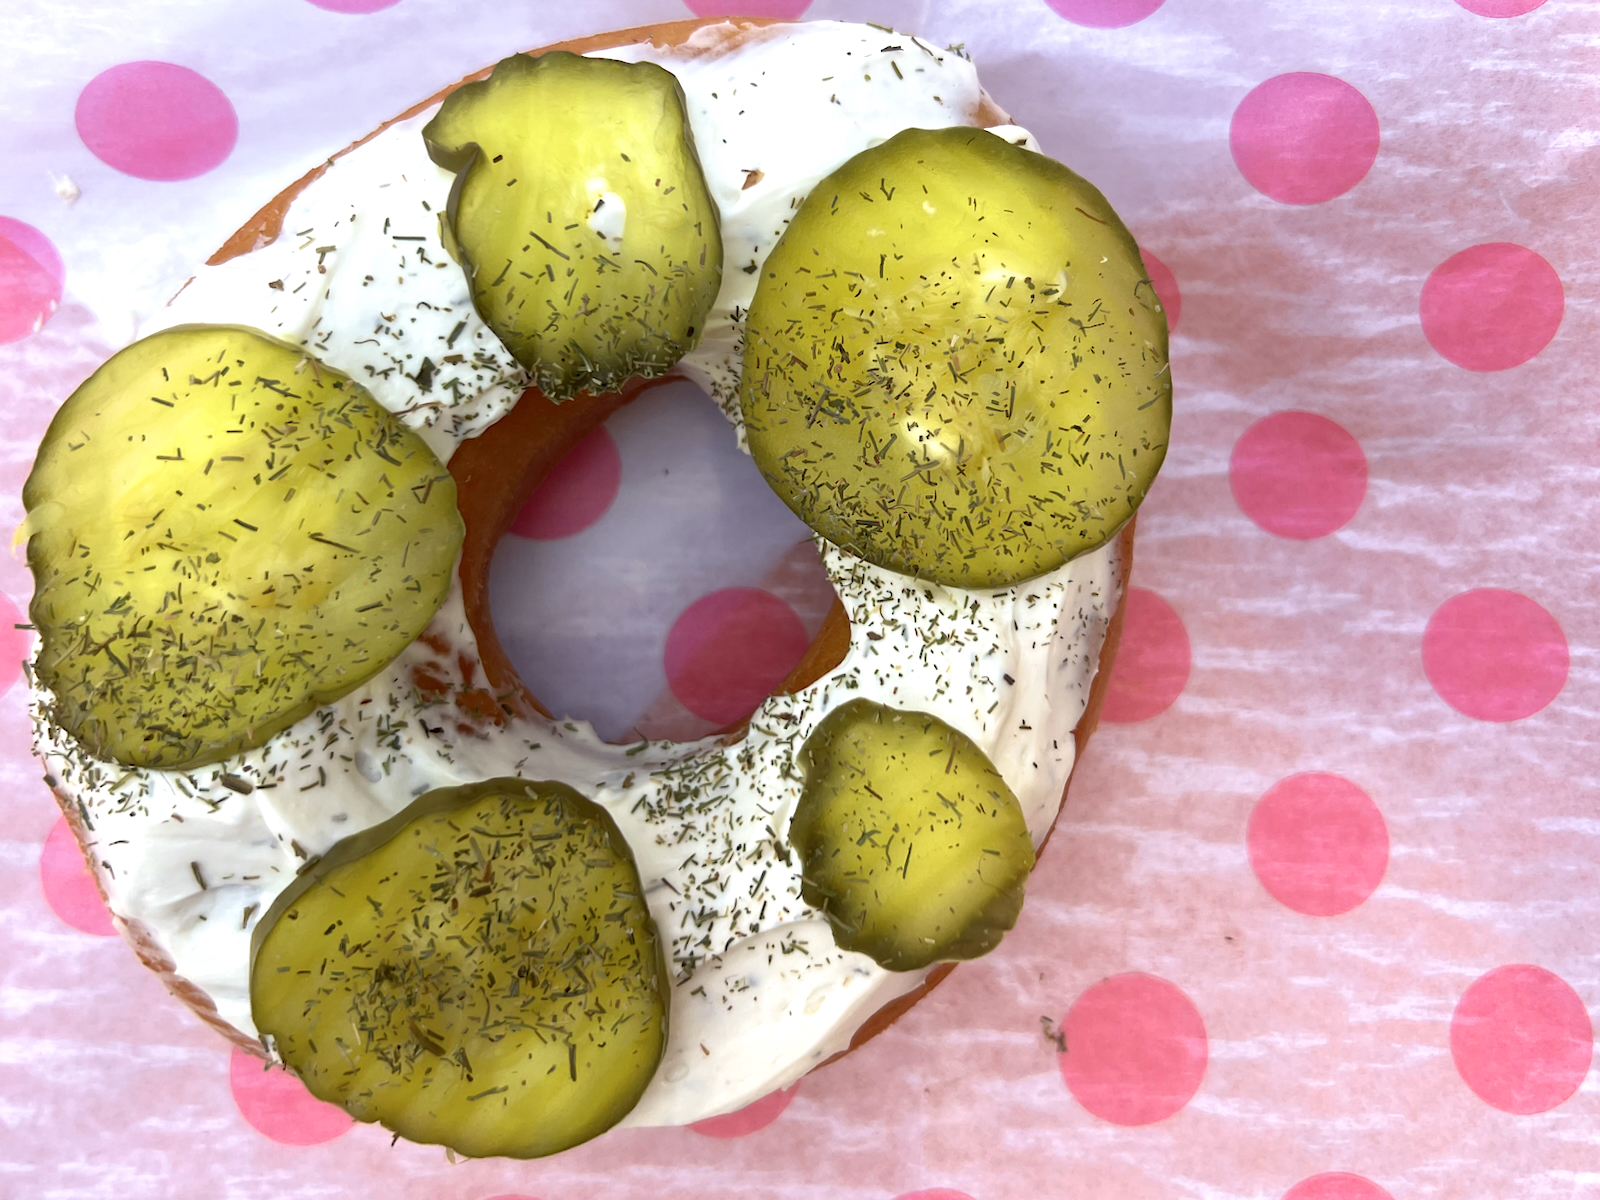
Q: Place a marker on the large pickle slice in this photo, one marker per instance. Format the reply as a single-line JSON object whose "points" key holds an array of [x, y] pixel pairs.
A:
{"points": [[224, 534], [479, 971], [581, 216], [955, 365], [910, 843]]}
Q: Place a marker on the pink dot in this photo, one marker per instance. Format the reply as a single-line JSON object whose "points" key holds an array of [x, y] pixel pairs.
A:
{"points": [[1500, 8], [1318, 844], [1298, 475], [14, 644], [278, 1105], [1492, 307], [1104, 14], [1152, 661], [355, 6], [69, 889], [727, 651], [935, 1194], [782, 10], [749, 1118], [1304, 138], [1494, 655], [156, 120], [1136, 1049], [31, 276], [576, 493], [1336, 1185], [1521, 1039], [1166, 285]]}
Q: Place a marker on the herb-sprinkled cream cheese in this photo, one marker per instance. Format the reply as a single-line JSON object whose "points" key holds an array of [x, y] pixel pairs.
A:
{"points": [[760, 991]]}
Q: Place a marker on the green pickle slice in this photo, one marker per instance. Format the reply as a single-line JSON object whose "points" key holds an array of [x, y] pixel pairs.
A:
{"points": [[955, 365], [910, 842], [479, 970], [224, 533], [581, 216]]}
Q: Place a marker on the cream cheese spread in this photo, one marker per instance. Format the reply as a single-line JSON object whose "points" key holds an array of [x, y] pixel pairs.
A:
{"points": [[760, 992]]}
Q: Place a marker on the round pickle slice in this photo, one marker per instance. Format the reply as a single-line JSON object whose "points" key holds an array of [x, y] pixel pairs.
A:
{"points": [[910, 843], [224, 533], [581, 217], [955, 365], [479, 970]]}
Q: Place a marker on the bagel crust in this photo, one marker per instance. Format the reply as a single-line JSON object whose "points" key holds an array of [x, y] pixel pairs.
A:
{"points": [[463, 677]]}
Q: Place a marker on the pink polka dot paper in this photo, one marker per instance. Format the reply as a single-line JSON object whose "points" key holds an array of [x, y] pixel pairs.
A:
{"points": [[1500, 8], [575, 494], [1304, 137], [277, 1105], [1318, 844], [31, 279], [729, 651], [1136, 1049], [1153, 660], [1318, 920], [1521, 1039], [156, 120], [69, 889], [781, 10], [1336, 1185], [1492, 307], [1298, 475], [749, 1119], [1495, 654], [355, 7], [1105, 14], [1167, 289]]}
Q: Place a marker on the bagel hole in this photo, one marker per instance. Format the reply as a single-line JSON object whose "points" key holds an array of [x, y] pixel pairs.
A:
{"points": [[653, 585]]}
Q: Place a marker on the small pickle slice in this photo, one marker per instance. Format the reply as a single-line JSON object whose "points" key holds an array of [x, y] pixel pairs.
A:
{"points": [[910, 843], [955, 364], [224, 533], [479, 971], [581, 217]]}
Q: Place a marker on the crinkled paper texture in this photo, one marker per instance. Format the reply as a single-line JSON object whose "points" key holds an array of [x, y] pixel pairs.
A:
{"points": [[1328, 1038]]}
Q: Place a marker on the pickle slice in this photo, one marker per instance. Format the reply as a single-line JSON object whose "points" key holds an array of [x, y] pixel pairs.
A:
{"points": [[910, 842], [581, 217], [955, 365], [479, 970], [224, 534]]}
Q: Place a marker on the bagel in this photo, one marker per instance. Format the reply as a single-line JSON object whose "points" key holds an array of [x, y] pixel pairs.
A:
{"points": [[198, 857]]}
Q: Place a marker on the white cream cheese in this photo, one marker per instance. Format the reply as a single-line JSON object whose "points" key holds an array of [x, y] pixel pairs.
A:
{"points": [[760, 992]]}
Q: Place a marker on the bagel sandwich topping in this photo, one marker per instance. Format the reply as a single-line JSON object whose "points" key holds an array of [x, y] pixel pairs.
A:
{"points": [[769, 869], [580, 216], [225, 534], [955, 364]]}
